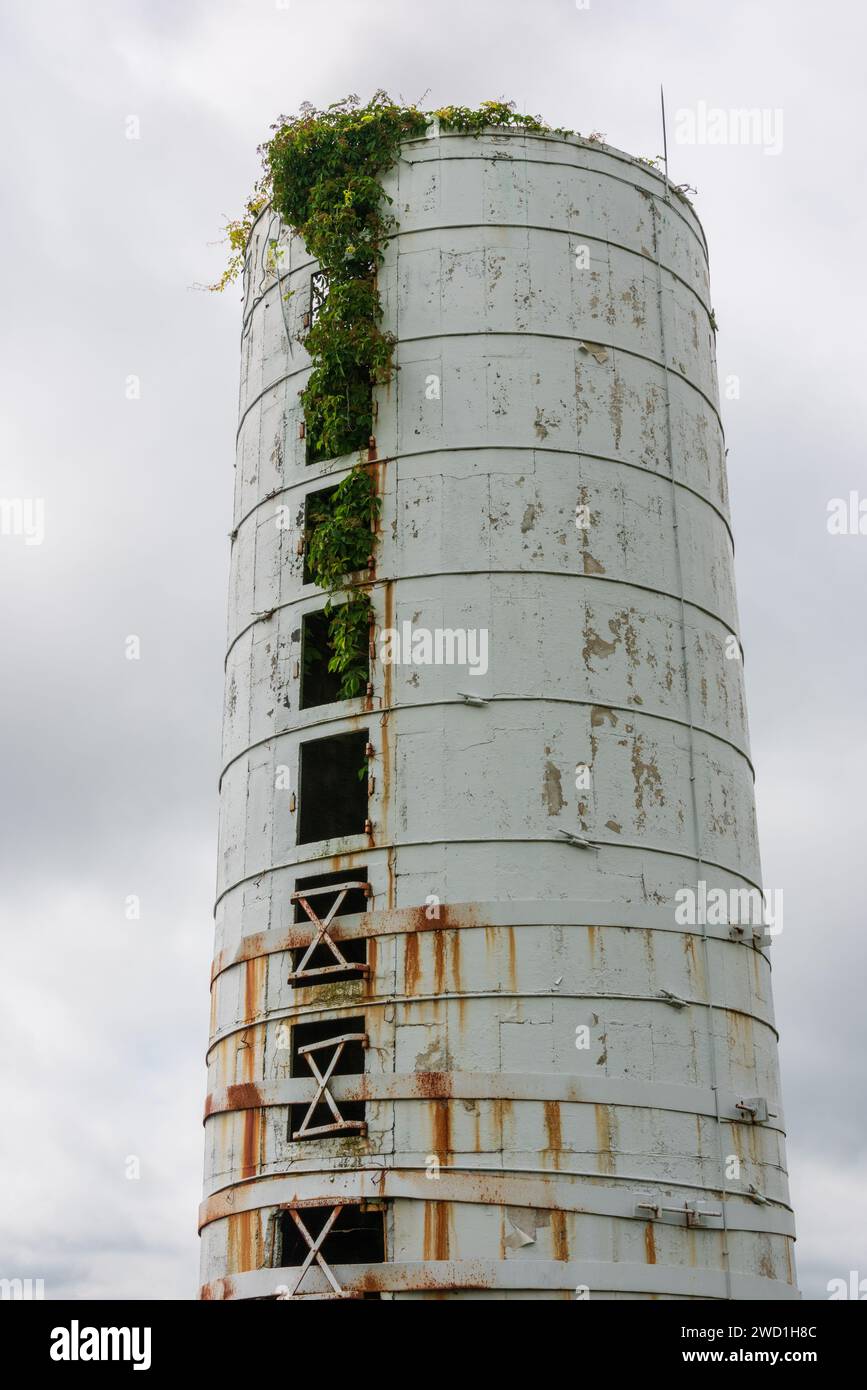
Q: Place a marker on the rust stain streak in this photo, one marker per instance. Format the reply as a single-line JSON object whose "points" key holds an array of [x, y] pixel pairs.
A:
{"points": [[553, 1127], [251, 1142], [254, 974], [387, 622], [371, 956], [559, 1235], [439, 961], [513, 962], [442, 1129], [411, 968], [603, 1138], [436, 1230], [242, 1241], [390, 897], [455, 952]]}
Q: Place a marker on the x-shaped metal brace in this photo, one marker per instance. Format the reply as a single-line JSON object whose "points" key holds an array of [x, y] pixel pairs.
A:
{"points": [[339, 1124], [314, 1252], [323, 935]]}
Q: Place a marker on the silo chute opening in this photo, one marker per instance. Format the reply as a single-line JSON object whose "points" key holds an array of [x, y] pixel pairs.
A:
{"points": [[332, 798]]}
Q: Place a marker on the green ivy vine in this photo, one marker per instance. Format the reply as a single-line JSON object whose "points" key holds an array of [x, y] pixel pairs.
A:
{"points": [[338, 542]]}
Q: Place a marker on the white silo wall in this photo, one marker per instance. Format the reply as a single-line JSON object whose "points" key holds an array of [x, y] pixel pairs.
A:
{"points": [[556, 1066]]}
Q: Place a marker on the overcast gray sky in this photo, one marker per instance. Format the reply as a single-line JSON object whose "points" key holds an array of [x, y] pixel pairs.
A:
{"points": [[110, 765]]}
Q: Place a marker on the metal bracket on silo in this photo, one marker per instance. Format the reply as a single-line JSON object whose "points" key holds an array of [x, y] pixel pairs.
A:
{"points": [[694, 1212], [673, 999], [576, 840], [754, 1109], [759, 935]]}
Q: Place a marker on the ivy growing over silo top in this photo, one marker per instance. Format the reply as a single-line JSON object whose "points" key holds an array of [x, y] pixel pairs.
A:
{"points": [[321, 172], [322, 175]]}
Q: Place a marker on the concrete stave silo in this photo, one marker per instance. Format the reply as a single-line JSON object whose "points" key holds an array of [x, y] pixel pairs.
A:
{"points": [[556, 1079]]}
